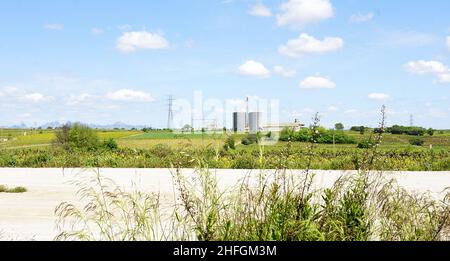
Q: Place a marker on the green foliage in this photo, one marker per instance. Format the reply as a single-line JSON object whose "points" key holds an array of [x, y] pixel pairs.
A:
{"points": [[323, 136], [230, 143], [406, 158], [250, 139], [416, 142], [366, 144], [360, 129], [430, 131], [413, 131], [5, 189], [77, 136], [110, 144], [339, 126]]}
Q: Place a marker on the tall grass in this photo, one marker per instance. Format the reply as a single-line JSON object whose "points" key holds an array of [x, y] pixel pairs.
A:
{"points": [[266, 205], [109, 213]]}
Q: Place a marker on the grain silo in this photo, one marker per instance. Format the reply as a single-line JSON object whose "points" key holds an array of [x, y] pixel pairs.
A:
{"points": [[254, 122], [239, 120]]}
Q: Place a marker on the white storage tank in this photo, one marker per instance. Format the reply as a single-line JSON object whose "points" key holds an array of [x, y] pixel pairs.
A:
{"points": [[239, 121], [254, 122]]}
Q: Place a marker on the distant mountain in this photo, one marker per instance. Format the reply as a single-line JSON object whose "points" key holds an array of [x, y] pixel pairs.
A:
{"points": [[20, 126], [53, 124], [117, 125]]}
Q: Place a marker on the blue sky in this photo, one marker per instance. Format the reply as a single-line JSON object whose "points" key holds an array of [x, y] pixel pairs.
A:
{"points": [[106, 61]]}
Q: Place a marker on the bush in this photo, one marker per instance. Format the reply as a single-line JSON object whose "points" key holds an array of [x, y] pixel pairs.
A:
{"points": [[287, 134], [304, 135], [250, 139], [338, 137], [5, 189], [230, 143], [416, 142], [413, 131], [110, 144], [366, 144], [77, 136]]}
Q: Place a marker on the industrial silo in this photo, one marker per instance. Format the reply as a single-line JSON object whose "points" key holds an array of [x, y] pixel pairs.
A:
{"points": [[239, 119], [254, 122]]}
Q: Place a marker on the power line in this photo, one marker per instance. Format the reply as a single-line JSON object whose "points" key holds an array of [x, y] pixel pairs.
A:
{"points": [[170, 114]]}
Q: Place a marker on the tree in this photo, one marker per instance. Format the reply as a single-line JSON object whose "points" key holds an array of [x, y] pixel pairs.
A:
{"points": [[186, 128], [77, 136], [339, 126], [430, 131], [362, 130]]}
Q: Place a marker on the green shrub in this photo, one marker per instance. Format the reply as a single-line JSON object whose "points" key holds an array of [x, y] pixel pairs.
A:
{"points": [[416, 142], [230, 143], [5, 189], [77, 136], [337, 137], [250, 139], [366, 144], [110, 144], [413, 131]]}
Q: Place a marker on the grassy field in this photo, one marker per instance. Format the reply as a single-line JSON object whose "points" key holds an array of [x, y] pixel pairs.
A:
{"points": [[142, 140], [161, 149]]}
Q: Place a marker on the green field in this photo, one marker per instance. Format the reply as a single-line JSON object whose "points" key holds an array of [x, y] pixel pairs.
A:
{"points": [[140, 140], [162, 149]]}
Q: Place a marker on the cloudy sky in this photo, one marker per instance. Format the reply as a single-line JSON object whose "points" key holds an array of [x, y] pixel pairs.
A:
{"points": [[106, 61]]}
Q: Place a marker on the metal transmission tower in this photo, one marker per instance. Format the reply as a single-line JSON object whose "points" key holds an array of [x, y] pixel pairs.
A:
{"points": [[170, 115], [411, 120]]}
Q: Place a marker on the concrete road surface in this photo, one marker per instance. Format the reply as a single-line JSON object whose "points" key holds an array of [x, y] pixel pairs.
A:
{"points": [[30, 216]]}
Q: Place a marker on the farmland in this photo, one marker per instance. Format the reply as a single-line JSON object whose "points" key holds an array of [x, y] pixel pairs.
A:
{"points": [[163, 149]]}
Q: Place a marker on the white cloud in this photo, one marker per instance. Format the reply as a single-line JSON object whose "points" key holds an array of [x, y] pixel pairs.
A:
{"points": [[260, 10], [133, 41], [34, 97], [448, 42], [410, 39], [54, 27], [280, 70], [307, 44], [333, 108], [77, 99], [379, 96], [434, 68], [12, 93], [253, 68], [97, 31], [24, 115], [130, 95], [298, 13], [361, 18], [317, 82], [124, 27], [351, 111]]}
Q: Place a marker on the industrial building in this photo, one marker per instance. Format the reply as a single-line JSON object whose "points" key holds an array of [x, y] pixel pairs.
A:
{"points": [[239, 121], [252, 122], [247, 122], [295, 126]]}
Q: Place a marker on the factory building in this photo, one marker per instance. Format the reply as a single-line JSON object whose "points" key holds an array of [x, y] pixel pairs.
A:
{"points": [[254, 122], [239, 121], [247, 122]]}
